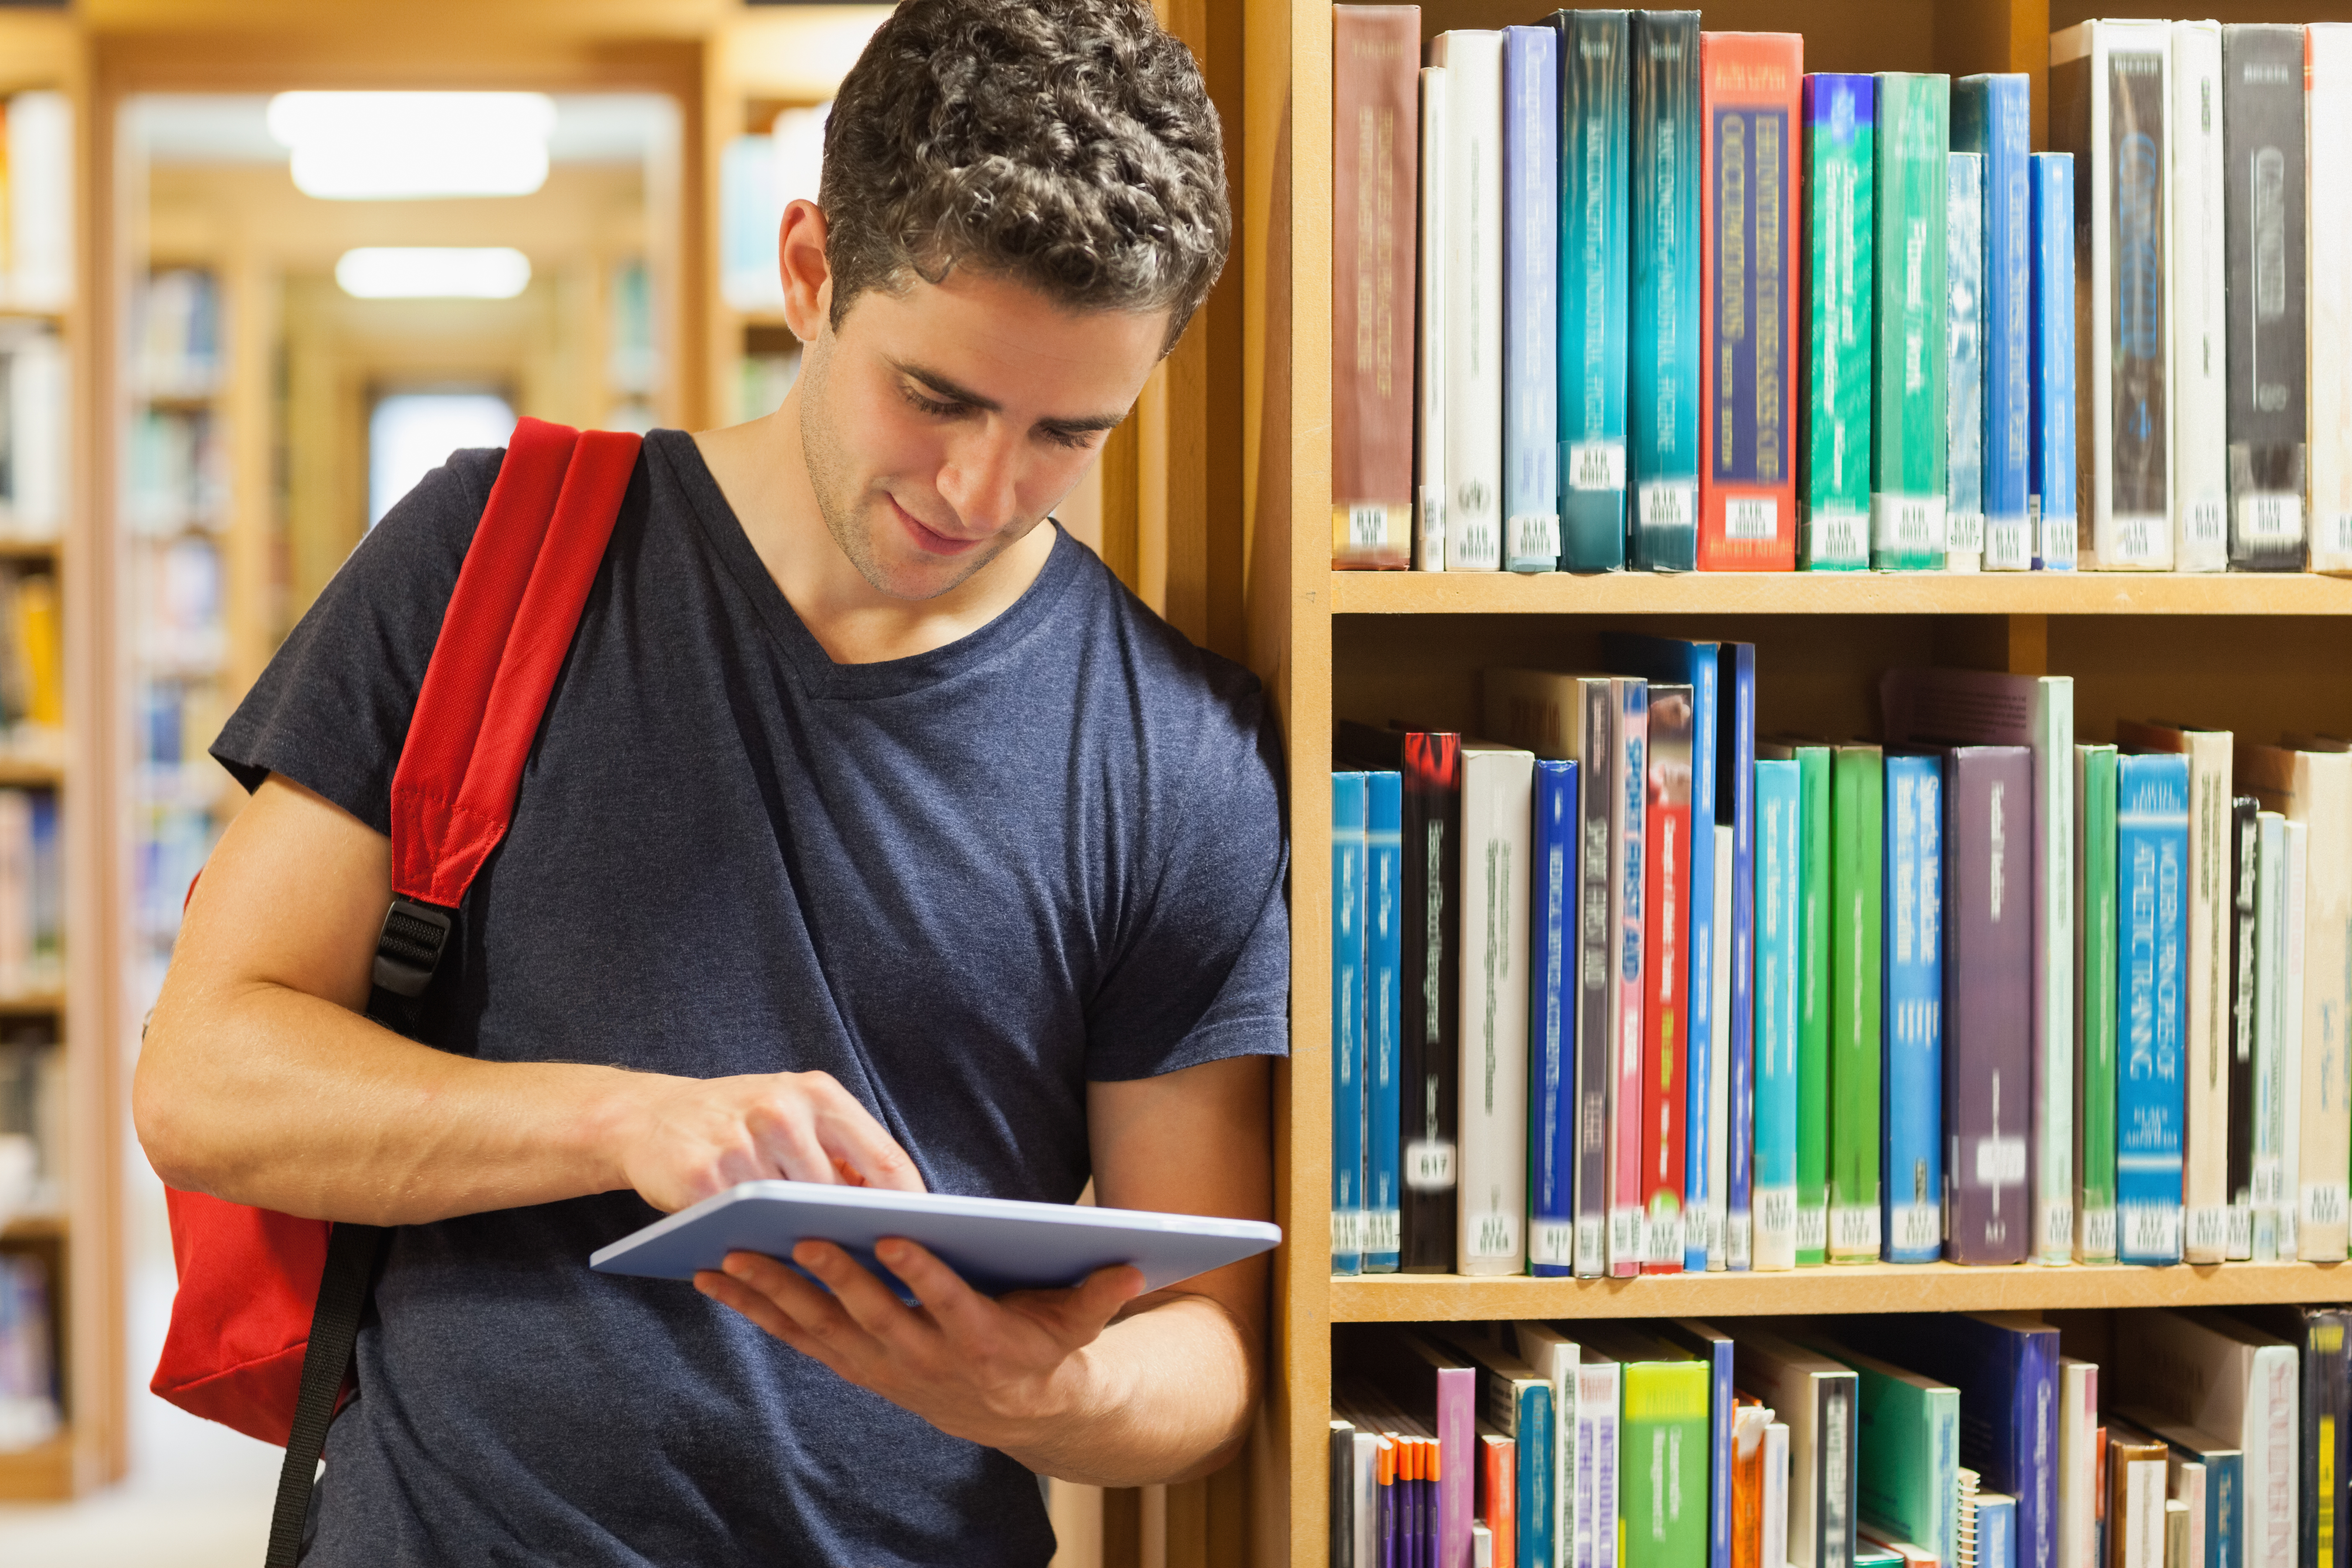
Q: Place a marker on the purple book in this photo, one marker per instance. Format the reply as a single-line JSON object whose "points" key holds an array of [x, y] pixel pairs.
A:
{"points": [[1988, 1003]]}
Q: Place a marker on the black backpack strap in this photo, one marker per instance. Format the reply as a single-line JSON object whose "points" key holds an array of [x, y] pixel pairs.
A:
{"points": [[352, 1253]]}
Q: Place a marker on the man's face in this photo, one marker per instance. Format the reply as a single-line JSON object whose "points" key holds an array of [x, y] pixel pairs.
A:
{"points": [[942, 423]]}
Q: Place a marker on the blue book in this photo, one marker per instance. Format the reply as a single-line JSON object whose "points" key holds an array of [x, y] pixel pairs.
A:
{"points": [[1347, 1107], [1964, 360], [1551, 1022], [2151, 945], [1593, 287], [1531, 285], [1778, 883], [1384, 1016], [1911, 1118], [2005, 1365], [1662, 386], [2050, 497], [1992, 116], [1697, 665], [1734, 784], [1716, 1349], [1539, 1512], [1996, 1531]]}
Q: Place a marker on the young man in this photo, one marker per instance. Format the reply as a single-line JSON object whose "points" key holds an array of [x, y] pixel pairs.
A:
{"points": [[873, 831]]}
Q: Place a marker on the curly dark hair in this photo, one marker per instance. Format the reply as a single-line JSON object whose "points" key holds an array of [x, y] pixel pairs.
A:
{"points": [[1069, 144]]}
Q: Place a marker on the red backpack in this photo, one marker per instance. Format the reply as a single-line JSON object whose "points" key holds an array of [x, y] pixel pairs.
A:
{"points": [[268, 1305]]}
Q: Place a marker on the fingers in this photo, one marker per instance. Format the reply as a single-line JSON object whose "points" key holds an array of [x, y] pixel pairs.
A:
{"points": [[810, 1129], [850, 1136], [869, 1303]]}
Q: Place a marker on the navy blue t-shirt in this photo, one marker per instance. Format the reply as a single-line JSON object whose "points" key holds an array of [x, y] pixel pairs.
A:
{"points": [[963, 883]]}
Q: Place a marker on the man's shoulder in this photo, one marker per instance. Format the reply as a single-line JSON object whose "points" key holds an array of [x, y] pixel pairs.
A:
{"points": [[1171, 677]]}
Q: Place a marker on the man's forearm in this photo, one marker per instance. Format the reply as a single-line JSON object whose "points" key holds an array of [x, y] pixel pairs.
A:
{"points": [[1166, 1397]]}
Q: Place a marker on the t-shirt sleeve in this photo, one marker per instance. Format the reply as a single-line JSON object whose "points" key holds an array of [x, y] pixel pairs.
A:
{"points": [[1207, 973], [332, 710]]}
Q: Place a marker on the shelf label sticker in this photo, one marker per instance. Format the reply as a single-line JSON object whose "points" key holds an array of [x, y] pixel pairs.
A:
{"points": [[1918, 1227], [1812, 1227], [2008, 544], [1853, 1228], [1596, 464], [2205, 524], [1382, 1231], [1591, 1256], [1429, 1165], [2099, 1235], [2270, 519], [1494, 1233], [1965, 531], [1552, 1243], [1751, 518], [1739, 1244], [1838, 539]]}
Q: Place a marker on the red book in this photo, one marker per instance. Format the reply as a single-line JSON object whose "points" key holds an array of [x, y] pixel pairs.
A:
{"points": [[1499, 1475], [1375, 170], [1748, 231], [1666, 972]]}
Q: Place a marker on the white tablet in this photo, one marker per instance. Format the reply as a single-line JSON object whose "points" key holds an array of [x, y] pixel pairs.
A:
{"points": [[996, 1244]]}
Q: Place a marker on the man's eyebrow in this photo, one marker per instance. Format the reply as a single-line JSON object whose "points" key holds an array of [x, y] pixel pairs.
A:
{"points": [[1076, 425]]}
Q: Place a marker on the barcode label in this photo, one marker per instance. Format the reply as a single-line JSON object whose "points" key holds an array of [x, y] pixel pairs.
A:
{"points": [[2138, 541], [1591, 1256], [2205, 523], [2000, 1162], [2270, 519], [1699, 1236], [1908, 525], [1853, 1229], [2055, 1238], [1347, 1233], [1918, 1227], [1534, 538], [1753, 518], [2208, 1232], [2099, 1235], [1739, 1246], [1669, 504], [2239, 1241], [2149, 1230], [1665, 1239], [2008, 544], [1552, 1242], [1429, 1166], [1596, 464], [1966, 530], [1382, 1232], [1494, 1235], [2322, 1203], [1812, 1227], [2054, 542], [1430, 544], [2266, 1183], [1838, 539], [1367, 525], [1624, 1239], [1471, 546], [2331, 531]]}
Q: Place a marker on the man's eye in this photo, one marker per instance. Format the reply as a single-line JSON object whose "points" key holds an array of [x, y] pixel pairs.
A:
{"points": [[931, 405]]}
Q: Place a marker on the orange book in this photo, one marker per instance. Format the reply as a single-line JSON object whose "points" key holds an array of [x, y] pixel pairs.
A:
{"points": [[1749, 207], [1498, 1475], [1749, 1419]]}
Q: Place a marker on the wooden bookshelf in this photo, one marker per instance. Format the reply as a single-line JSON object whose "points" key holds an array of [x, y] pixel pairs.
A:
{"points": [[1839, 594]]}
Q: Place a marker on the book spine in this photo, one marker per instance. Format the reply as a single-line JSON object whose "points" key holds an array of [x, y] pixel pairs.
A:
{"points": [[2054, 967], [2327, 1400], [2292, 1053], [1383, 932], [1552, 1098], [1907, 416], [1530, 300], [1775, 1545], [1779, 877], [1474, 281], [2198, 312], [1496, 818], [2243, 944], [2273, 1431], [1375, 53], [1431, 292], [1992, 117], [1747, 1487], [1598, 1404], [2035, 1415], [1348, 1055], [1594, 288], [1813, 1019], [1840, 113], [2269, 1079], [1718, 1078], [1739, 667], [2051, 503], [2264, 208], [1342, 1471], [1722, 1404], [1702, 1188], [1988, 1003], [1748, 92], [2078, 1464], [1629, 776], [1911, 1114], [1432, 981], [1857, 816], [1666, 979], [2327, 98], [2326, 1136], [1837, 1467], [1458, 1404], [2151, 854], [1663, 1489], [1964, 328], [2095, 990], [2205, 1035], [1596, 1031], [1663, 390]]}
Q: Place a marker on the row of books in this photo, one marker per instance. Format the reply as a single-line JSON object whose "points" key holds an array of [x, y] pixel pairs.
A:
{"points": [[175, 473], [176, 334], [32, 663], [176, 590], [1677, 304], [37, 250], [1626, 990], [28, 1362], [2152, 1439], [33, 1106], [32, 431]]}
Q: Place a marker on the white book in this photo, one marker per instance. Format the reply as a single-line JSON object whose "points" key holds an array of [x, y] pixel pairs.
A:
{"points": [[2208, 1370], [1599, 1383], [40, 200], [2291, 1036], [34, 509], [1473, 298], [1717, 1215], [1817, 1398], [2270, 993], [2078, 1463], [16, 892], [1776, 1495], [1429, 339], [2327, 238], [2120, 370], [2197, 310], [1557, 1359], [1491, 1194], [1365, 1472], [2188, 1480]]}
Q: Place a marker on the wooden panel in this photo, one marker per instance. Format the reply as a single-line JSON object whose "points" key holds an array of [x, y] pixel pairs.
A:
{"points": [[1869, 1288], [40, 1474], [1841, 593]]}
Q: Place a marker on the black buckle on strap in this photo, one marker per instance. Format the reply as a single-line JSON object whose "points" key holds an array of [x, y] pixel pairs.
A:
{"points": [[409, 949]]}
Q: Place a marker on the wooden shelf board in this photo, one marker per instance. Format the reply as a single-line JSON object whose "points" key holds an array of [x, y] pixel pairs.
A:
{"points": [[19, 774], [35, 1227], [1840, 592], [32, 1002], [1865, 1288], [43, 1473]]}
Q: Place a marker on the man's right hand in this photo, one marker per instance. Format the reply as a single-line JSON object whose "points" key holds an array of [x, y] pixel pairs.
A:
{"points": [[688, 1138]]}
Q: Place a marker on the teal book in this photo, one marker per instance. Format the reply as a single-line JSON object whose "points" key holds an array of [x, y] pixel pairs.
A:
{"points": [[1833, 456], [1662, 386], [1908, 1438], [1857, 850], [1779, 874], [1812, 938], [1348, 1104], [1594, 293], [1909, 417]]}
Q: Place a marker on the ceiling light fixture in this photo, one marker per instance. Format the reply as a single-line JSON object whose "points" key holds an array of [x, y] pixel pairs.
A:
{"points": [[390, 146], [433, 273]]}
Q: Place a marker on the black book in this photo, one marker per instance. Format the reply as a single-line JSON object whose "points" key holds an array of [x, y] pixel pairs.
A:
{"points": [[2262, 208], [2245, 863]]}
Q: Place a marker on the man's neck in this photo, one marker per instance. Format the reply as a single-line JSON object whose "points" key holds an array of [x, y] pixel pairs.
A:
{"points": [[760, 469]]}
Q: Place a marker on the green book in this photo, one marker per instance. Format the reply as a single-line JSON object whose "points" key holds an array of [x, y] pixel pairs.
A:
{"points": [[1812, 760], [1833, 466], [1857, 850], [1662, 1459], [1909, 436], [2095, 1004], [1908, 1438]]}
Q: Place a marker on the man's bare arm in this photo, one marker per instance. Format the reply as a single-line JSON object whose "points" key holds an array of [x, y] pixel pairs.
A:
{"points": [[261, 1081]]}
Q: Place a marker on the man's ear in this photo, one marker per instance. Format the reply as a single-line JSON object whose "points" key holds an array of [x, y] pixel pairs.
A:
{"points": [[808, 280]]}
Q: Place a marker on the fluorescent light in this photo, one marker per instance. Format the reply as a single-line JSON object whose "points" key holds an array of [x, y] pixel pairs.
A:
{"points": [[433, 273], [376, 146]]}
